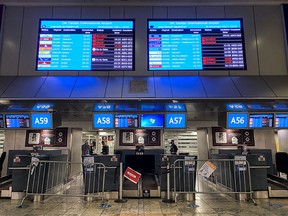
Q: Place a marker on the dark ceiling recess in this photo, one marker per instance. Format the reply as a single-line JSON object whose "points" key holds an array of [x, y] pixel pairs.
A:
{"points": [[138, 86]]}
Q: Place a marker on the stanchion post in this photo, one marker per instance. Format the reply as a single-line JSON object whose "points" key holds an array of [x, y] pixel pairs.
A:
{"points": [[120, 193], [168, 200]]}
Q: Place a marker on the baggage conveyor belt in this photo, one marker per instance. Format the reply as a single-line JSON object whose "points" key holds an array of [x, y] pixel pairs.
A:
{"points": [[278, 187]]}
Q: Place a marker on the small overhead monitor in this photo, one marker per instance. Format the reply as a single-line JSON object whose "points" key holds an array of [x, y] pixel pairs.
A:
{"points": [[281, 120], [152, 120], [17, 121], [86, 45], [126, 121], [261, 120], [195, 44]]}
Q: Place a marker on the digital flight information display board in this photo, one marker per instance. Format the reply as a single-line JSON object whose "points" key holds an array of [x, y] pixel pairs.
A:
{"points": [[281, 120], [196, 45], [15, 121], [86, 45], [126, 120], [261, 120]]}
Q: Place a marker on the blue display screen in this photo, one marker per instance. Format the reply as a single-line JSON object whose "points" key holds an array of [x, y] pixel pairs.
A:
{"points": [[261, 120], [86, 45], [259, 106], [151, 107], [237, 120], [1, 121], [214, 44], [281, 120], [41, 120], [17, 121], [152, 120], [280, 106], [103, 120], [126, 107], [177, 120], [126, 120]]}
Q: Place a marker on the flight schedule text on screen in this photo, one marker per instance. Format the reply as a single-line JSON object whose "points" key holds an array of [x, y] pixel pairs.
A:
{"points": [[196, 45], [86, 45]]}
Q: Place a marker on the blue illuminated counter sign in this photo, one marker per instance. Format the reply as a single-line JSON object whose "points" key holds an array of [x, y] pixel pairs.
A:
{"points": [[42, 120], [176, 120], [237, 120], [105, 120]]}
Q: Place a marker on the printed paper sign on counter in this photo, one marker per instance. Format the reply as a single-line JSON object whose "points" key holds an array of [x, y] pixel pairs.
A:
{"points": [[132, 175], [207, 169]]}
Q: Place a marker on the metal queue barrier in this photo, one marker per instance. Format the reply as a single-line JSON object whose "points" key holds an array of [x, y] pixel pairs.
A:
{"points": [[65, 179], [212, 176]]}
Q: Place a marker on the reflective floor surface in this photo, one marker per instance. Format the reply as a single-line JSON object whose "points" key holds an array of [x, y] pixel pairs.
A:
{"points": [[203, 205]]}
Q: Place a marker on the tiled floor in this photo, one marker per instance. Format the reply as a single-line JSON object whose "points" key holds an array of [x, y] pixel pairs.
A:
{"points": [[204, 205]]}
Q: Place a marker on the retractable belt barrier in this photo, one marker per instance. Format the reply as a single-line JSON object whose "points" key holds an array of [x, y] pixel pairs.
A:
{"points": [[212, 176], [66, 179]]}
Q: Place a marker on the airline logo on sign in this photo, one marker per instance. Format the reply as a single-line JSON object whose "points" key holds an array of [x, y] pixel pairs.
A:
{"points": [[236, 107], [132, 175], [104, 107], [42, 107], [175, 107]]}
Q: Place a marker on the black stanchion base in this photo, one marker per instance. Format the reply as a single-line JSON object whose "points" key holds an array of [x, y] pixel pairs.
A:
{"points": [[120, 200], [168, 201], [22, 206]]}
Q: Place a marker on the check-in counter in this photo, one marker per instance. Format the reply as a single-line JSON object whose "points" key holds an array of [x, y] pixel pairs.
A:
{"points": [[43, 175], [93, 174], [184, 172], [258, 170]]}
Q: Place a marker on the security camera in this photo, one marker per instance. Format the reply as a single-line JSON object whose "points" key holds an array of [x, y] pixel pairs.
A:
{"points": [[51, 110]]}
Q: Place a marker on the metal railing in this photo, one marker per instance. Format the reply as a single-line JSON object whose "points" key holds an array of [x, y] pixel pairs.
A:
{"points": [[54, 178], [218, 176]]}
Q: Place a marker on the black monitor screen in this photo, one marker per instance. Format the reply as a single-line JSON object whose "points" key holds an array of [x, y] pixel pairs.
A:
{"points": [[17, 120], [126, 120], [86, 45], [1, 121], [215, 44], [261, 120]]}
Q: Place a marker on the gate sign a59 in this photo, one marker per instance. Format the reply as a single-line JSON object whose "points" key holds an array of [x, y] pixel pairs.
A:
{"points": [[42, 120]]}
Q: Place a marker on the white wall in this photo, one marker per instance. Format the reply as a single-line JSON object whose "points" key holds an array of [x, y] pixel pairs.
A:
{"points": [[264, 37], [76, 149], [283, 140]]}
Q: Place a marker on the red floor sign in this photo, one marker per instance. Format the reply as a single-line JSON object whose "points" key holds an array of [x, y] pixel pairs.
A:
{"points": [[132, 175]]}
